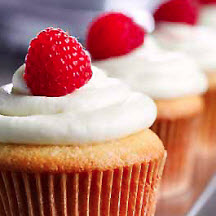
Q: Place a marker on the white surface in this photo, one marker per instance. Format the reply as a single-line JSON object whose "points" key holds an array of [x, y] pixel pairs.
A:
{"points": [[201, 207]]}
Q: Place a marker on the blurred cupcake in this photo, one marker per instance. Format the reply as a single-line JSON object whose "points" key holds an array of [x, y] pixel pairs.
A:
{"points": [[207, 13], [73, 141], [172, 79], [176, 29]]}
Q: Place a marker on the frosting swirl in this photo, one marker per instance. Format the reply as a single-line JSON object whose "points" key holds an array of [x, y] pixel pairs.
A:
{"points": [[158, 73], [196, 41], [103, 109]]}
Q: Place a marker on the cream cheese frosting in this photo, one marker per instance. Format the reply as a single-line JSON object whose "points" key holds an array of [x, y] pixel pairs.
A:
{"points": [[208, 15], [158, 73], [103, 109], [197, 41]]}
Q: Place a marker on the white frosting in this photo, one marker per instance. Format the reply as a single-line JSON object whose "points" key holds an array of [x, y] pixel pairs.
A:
{"points": [[208, 16], [103, 109], [19, 84], [197, 41], [158, 73]]}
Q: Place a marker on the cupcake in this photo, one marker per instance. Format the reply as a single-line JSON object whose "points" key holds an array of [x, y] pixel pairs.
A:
{"points": [[73, 141], [179, 32], [172, 79], [207, 13]]}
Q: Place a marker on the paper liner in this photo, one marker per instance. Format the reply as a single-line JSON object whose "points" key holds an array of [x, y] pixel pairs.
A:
{"points": [[208, 128], [125, 191], [179, 138]]}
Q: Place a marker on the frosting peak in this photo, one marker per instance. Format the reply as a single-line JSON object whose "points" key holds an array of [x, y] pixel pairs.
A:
{"points": [[103, 109]]}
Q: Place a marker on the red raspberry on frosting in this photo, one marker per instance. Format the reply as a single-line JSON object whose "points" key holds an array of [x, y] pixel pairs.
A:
{"points": [[113, 34], [180, 11], [56, 64]]}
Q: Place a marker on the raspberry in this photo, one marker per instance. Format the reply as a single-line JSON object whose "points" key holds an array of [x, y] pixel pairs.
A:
{"points": [[113, 34], [180, 11], [208, 1], [56, 64]]}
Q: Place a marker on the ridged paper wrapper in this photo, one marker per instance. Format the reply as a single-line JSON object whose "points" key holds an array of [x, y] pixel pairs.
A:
{"points": [[128, 190], [179, 137], [207, 142]]}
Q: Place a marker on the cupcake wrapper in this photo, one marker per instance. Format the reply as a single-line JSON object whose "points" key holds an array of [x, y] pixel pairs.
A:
{"points": [[179, 137], [208, 128], [124, 191]]}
